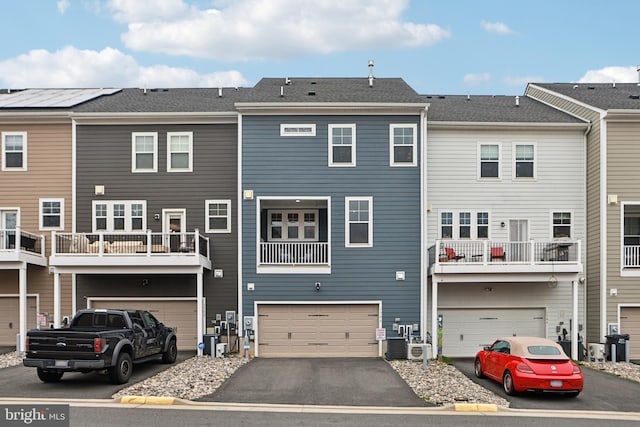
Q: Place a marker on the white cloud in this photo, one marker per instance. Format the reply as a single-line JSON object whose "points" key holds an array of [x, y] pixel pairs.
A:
{"points": [[257, 30], [62, 6], [611, 75], [522, 81], [496, 28], [476, 79], [71, 67]]}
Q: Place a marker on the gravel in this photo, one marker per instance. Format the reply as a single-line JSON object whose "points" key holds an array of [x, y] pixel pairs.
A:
{"points": [[439, 383]]}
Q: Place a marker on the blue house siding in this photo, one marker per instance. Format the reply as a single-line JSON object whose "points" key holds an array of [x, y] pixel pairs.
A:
{"points": [[276, 166]]}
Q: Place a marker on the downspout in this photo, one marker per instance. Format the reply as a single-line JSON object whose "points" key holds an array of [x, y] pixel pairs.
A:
{"points": [[239, 222], [74, 284], [423, 225], [603, 227]]}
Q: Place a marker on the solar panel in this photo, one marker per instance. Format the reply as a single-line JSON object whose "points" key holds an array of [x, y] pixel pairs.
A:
{"points": [[51, 98]]}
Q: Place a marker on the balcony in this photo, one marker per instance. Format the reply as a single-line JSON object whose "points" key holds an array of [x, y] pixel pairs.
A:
{"points": [[631, 257], [490, 256], [17, 245], [135, 250]]}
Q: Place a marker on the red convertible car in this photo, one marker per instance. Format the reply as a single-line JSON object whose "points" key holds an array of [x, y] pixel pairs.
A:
{"points": [[529, 364]]}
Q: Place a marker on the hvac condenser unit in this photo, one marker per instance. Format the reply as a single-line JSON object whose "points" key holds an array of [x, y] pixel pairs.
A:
{"points": [[596, 352], [221, 349], [416, 351]]}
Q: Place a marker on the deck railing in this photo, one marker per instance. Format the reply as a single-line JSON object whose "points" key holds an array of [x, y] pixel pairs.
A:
{"points": [[631, 257], [294, 253], [16, 239]]}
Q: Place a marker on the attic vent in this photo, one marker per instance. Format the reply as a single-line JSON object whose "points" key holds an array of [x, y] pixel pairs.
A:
{"points": [[441, 97], [591, 87], [312, 93], [634, 96]]}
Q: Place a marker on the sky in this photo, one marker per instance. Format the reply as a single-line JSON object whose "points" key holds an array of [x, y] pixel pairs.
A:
{"points": [[454, 47]]}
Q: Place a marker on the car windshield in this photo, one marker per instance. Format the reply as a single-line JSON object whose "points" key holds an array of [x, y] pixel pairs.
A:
{"points": [[543, 350]]}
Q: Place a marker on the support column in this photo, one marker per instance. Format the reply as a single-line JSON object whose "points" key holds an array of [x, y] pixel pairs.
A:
{"points": [[574, 329], [22, 300], [56, 300], [200, 304], [434, 315]]}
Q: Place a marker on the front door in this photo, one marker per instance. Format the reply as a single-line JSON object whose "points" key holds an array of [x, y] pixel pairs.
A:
{"points": [[518, 238], [174, 228], [8, 224]]}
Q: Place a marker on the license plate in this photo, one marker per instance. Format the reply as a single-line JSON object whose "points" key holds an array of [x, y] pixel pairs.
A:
{"points": [[62, 364], [556, 383]]}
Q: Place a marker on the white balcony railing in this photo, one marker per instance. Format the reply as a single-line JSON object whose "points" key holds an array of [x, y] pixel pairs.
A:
{"points": [[130, 244], [294, 253], [17, 240], [534, 252], [631, 256]]}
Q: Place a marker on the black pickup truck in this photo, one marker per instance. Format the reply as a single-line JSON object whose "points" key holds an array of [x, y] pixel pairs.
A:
{"points": [[100, 340]]}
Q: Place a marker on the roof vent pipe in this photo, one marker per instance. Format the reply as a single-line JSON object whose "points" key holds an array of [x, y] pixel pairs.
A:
{"points": [[517, 101], [281, 91], [219, 92], [371, 72], [287, 81]]}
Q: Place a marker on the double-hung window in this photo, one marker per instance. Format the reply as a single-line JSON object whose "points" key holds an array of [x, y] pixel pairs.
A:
{"points": [[179, 151], [464, 224], [293, 225], [119, 215], [358, 221], [144, 152], [561, 225], [403, 144], [342, 145], [14, 151], [524, 160], [489, 159], [51, 214], [218, 216]]}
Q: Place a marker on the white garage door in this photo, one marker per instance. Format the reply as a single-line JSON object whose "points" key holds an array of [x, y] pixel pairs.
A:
{"points": [[10, 318], [466, 331], [630, 324], [318, 330], [180, 315]]}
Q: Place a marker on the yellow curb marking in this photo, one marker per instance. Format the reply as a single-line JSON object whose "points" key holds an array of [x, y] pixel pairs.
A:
{"points": [[149, 400], [475, 407]]}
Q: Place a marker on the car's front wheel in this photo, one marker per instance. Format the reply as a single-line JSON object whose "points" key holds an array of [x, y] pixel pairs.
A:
{"points": [[49, 376], [477, 367], [507, 383], [121, 372], [171, 354]]}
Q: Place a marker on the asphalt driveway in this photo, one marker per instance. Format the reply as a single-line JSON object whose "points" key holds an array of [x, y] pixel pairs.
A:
{"points": [[20, 381], [315, 381], [602, 392]]}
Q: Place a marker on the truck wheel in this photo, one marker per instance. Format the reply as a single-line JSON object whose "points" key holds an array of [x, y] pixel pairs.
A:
{"points": [[171, 354], [48, 376], [121, 372]]}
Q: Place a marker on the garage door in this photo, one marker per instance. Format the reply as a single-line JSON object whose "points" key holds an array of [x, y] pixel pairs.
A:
{"points": [[318, 330], [10, 318], [630, 324], [466, 331], [181, 315]]}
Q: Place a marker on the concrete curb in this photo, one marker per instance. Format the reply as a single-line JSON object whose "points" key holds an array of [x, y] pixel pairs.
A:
{"points": [[147, 400], [475, 407]]}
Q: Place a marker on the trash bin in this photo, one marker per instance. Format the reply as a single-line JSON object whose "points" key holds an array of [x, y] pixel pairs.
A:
{"points": [[396, 348], [206, 339], [620, 341]]}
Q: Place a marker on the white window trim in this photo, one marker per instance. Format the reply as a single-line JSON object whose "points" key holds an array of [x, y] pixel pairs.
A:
{"points": [[169, 152], [414, 128], [127, 215], [571, 226], [40, 220], [133, 152], [455, 225], [24, 152], [347, 243], [479, 161], [287, 129], [285, 224], [206, 216], [353, 145], [535, 161]]}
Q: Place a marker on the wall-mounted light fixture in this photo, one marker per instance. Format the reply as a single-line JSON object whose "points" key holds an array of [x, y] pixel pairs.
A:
{"points": [[218, 274], [400, 275], [317, 285], [552, 282], [502, 224], [247, 194], [145, 282], [612, 199], [156, 217], [99, 190]]}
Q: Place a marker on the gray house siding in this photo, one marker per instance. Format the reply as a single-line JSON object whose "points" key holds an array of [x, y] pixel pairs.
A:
{"points": [[104, 158], [276, 166]]}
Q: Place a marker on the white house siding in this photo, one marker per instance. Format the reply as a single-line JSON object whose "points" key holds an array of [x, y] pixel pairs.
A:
{"points": [[559, 185]]}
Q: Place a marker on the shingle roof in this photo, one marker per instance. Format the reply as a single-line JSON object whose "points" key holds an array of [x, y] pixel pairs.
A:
{"points": [[605, 96], [347, 90], [492, 109], [179, 100]]}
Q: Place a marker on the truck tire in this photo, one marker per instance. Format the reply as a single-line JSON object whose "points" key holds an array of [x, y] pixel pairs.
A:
{"points": [[121, 372], [171, 354], [49, 376]]}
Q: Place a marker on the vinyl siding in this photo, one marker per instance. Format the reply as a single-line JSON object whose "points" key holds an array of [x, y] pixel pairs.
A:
{"points": [[48, 175], [104, 158], [297, 167]]}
